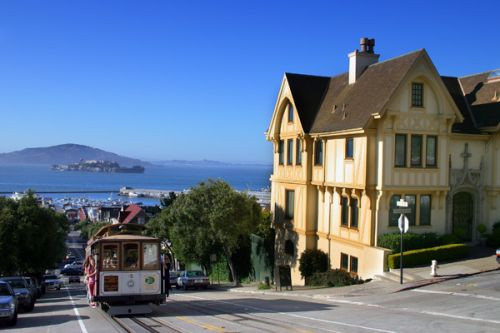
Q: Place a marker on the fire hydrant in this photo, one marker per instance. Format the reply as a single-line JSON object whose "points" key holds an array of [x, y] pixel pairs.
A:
{"points": [[434, 267]]}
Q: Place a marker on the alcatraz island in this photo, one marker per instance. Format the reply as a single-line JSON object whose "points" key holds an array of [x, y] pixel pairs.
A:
{"points": [[97, 166]]}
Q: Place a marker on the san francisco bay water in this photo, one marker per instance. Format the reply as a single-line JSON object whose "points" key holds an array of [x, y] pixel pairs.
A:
{"points": [[19, 178]]}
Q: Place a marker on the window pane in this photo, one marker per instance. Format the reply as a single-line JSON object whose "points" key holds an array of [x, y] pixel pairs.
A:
{"points": [[281, 151], [298, 153], [354, 264], [354, 212], [417, 94], [290, 113], [318, 154], [430, 159], [425, 210], [109, 257], [400, 158], [150, 256], [130, 256], [290, 152], [416, 150], [349, 148], [344, 212], [393, 218], [289, 205], [344, 261], [411, 204]]}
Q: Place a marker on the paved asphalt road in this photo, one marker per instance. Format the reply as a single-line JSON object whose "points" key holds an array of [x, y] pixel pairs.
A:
{"points": [[463, 305]]}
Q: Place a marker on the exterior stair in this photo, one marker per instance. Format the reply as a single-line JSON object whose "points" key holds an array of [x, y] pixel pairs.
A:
{"points": [[393, 276]]}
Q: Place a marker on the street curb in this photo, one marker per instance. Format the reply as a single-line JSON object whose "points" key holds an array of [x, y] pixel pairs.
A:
{"points": [[336, 297], [446, 278]]}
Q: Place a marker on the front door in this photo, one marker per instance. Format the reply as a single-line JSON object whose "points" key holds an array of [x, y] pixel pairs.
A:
{"points": [[463, 215]]}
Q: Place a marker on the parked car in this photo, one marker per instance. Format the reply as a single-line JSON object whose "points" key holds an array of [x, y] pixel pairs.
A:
{"points": [[23, 295], [72, 271], [31, 286], [52, 282], [192, 279], [74, 278], [74, 264], [498, 256], [8, 304], [173, 278]]}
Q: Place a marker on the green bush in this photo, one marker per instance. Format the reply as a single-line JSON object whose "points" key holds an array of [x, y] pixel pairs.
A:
{"points": [[312, 261], [493, 239], [449, 239], [333, 278], [425, 256], [263, 286], [411, 241]]}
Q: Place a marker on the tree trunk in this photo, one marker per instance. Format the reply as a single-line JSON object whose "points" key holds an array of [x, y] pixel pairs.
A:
{"points": [[231, 268]]}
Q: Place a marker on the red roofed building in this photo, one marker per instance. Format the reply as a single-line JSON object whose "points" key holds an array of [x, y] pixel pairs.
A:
{"points": [[133, 214]]}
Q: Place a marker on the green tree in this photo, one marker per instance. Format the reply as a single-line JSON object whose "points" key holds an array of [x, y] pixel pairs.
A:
{"points": [[88, 228], [32, 238], [211, 218]]}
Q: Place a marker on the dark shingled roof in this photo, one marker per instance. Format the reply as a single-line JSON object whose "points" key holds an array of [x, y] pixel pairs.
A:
{"points": [[317, 96], [328, 104], [307, 92], [469, 124], [480, 93]]}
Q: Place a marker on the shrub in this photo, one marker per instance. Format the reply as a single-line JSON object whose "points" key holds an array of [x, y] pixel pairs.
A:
{"points": [[449, 239], [411, 241], [312, 261], [263, 286], [494, 238], [424, 256], [333, 278]]}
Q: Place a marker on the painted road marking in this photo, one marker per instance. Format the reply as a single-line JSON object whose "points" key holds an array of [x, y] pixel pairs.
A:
{"points": [[80, 321], [451, 293], [202, 325], [298, 316]]}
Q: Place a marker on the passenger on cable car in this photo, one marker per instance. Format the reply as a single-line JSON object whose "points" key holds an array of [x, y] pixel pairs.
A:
{"points": [[90, 274]]}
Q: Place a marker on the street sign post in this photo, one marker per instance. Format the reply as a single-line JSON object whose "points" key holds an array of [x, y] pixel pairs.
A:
{"points": [[404, 225]]}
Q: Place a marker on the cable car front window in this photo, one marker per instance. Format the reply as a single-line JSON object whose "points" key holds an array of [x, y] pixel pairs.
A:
{"points": [[130, 256], [150, 256], [109, 257]]}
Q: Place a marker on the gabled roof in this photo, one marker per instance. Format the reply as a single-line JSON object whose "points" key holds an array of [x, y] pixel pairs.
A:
{"points": [[469, 124], [331, 104], [483, 98], [307, 92], [129, 214]]}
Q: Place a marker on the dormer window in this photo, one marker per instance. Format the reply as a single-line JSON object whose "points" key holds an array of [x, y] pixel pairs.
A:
{"points": [[417, 94], [290, 113]]}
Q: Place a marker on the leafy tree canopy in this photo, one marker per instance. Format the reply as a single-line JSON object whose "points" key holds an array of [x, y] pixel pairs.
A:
{"points": [[211, 218], [32, 238]]}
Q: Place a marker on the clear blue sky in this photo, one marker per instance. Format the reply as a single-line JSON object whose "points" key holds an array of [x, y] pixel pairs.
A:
{"points": [[199, 79]]}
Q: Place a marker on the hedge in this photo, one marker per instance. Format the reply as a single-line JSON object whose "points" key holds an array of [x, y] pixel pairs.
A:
{"points": [[333, 278], [425, 256], [411, 241]]}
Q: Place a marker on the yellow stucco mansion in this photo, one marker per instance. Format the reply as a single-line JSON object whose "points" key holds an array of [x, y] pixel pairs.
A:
{"points": [[347, 147]]}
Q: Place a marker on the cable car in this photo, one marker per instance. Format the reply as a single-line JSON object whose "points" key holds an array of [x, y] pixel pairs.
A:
{"points": [[129, 271]]}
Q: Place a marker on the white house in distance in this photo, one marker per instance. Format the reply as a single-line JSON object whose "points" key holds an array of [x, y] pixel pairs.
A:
{"points": [[348, 147]]}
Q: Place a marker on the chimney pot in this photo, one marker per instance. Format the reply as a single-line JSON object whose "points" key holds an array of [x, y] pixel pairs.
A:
{"points": [[359, 61]]}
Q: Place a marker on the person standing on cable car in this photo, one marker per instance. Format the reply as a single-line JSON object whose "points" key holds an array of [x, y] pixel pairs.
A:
{"points": [[166, 273]]}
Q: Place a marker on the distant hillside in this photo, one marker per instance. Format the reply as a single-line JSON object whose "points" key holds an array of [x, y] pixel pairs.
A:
{"points": [[64, 154]]}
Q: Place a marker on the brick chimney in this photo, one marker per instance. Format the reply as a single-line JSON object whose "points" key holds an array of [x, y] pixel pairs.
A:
{"points": [[360, 60]]}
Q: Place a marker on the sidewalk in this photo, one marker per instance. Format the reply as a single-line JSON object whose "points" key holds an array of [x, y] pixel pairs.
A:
{"points": [[420, 276]]}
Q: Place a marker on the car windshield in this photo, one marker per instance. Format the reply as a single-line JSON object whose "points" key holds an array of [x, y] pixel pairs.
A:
{"points": [[195, 273], [4, 289], [16, 283], [28, 281], [50, 277]]}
